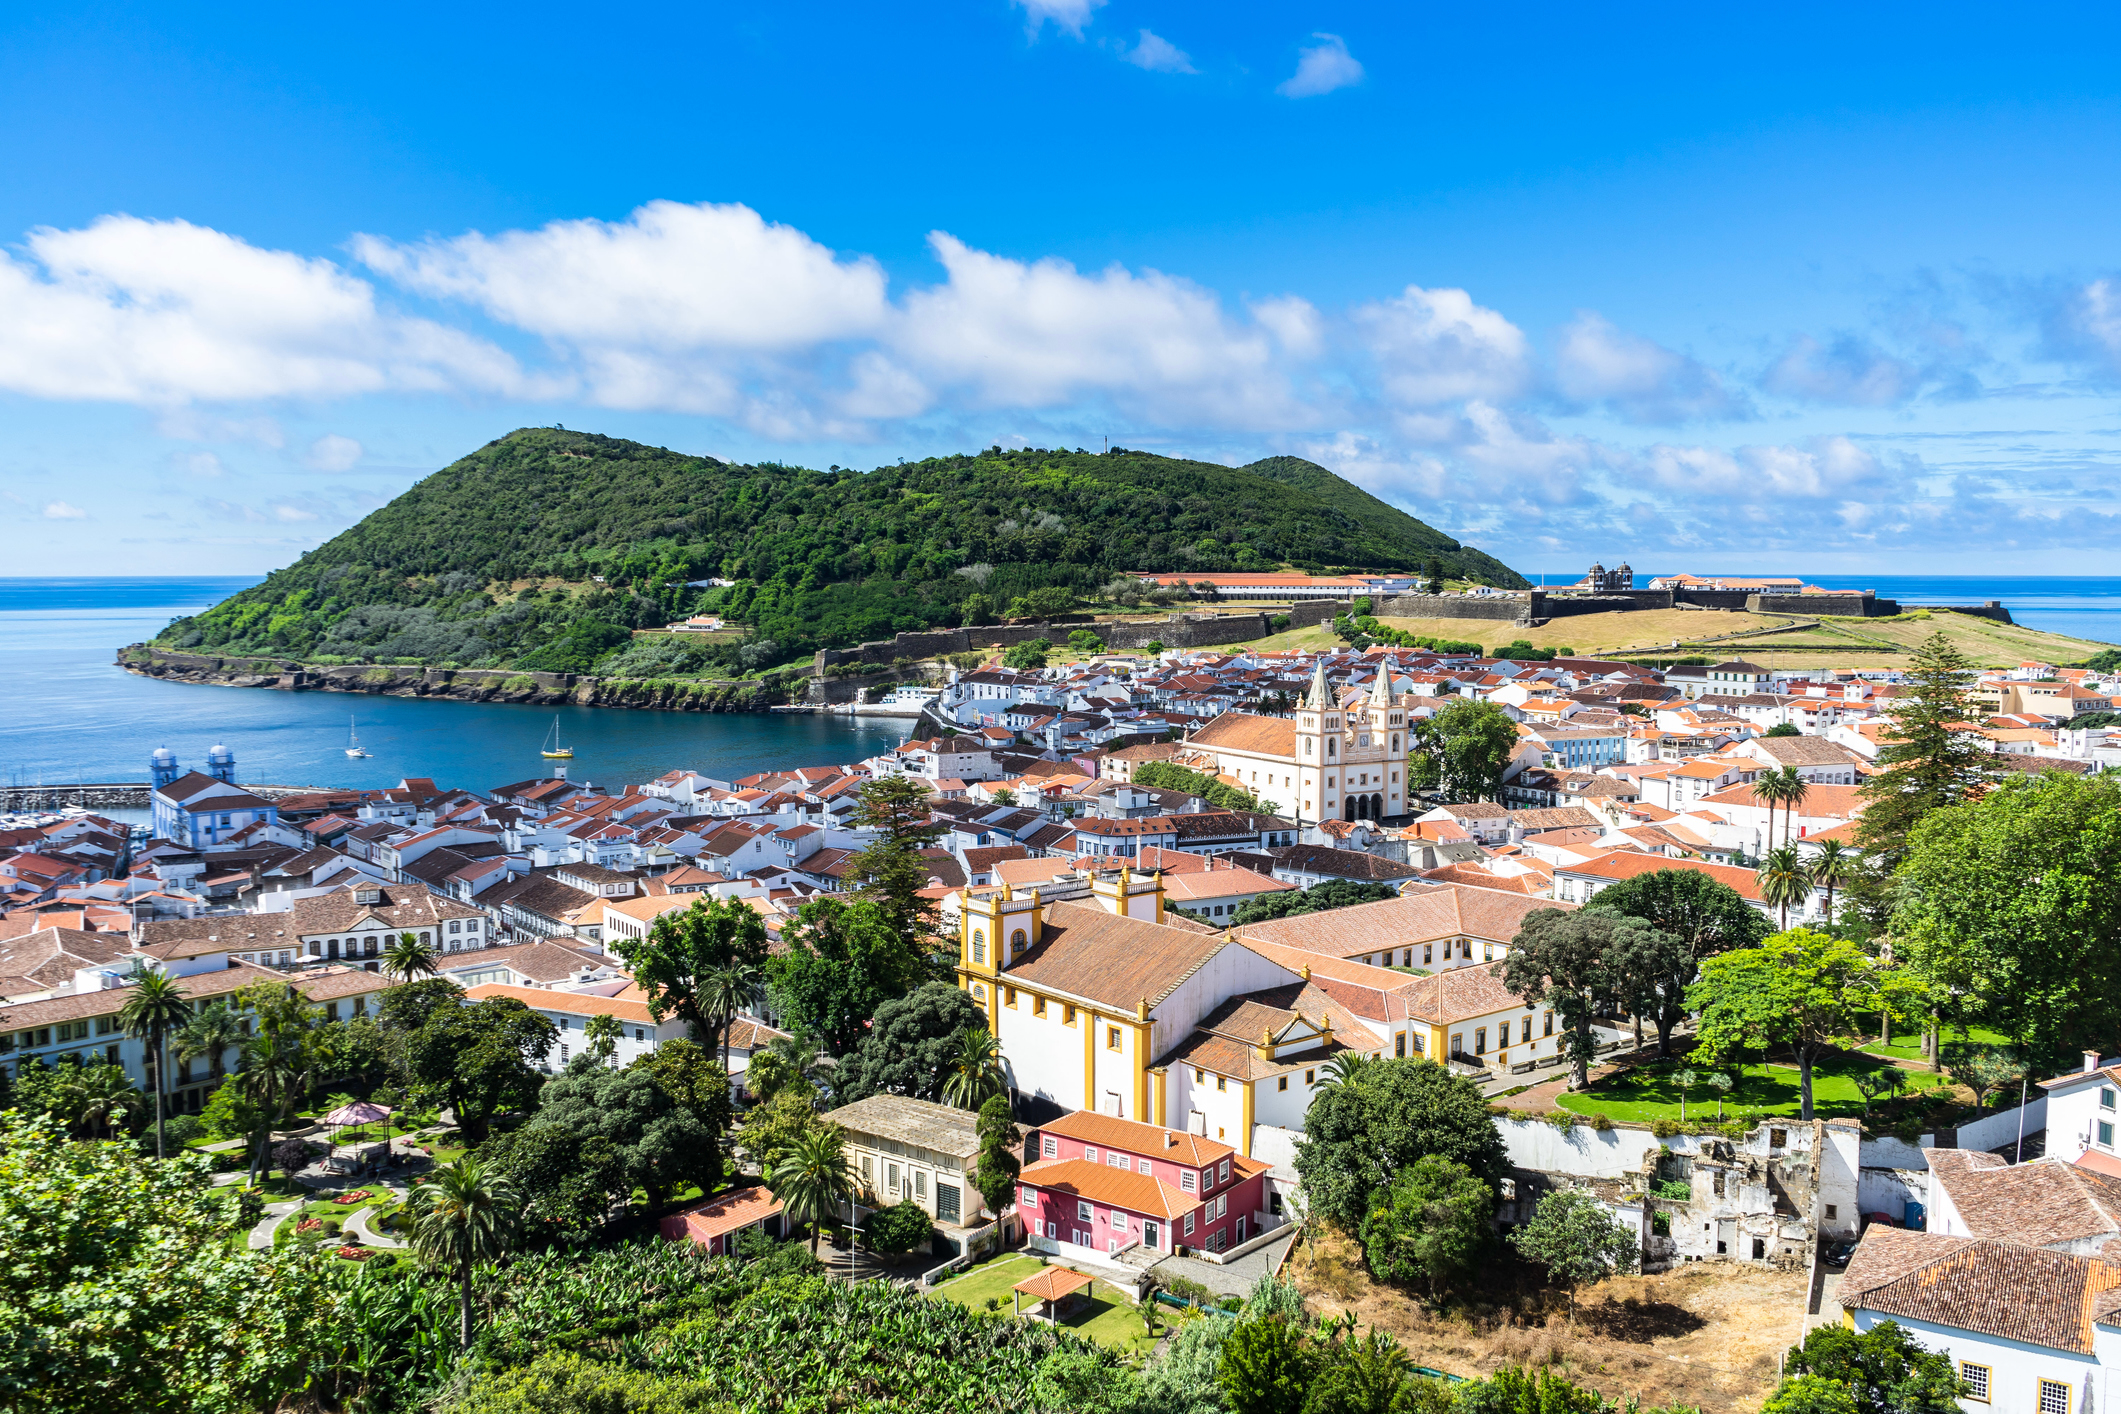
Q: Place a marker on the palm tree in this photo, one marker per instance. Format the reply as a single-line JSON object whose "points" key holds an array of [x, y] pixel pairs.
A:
{"points": [[1830, 869], [812, 1177], [102, 1097], [408, 958], [210, 1036], [1345, 1067], [603, 1031], [1720, 1082], [723, 993], [155, 1009], [1783, 880], [276, 1069], [1794, 789], [1685, 1080], [1767, 789], [976, 1073], [464, 1214]]}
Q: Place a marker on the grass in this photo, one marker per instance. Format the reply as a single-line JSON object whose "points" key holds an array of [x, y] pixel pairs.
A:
{"points": [[1107, 1317], [1908, 1045], [1647, 1093]]}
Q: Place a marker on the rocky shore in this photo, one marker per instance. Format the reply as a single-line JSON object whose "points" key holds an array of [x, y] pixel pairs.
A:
{"points": [[461, 684]]}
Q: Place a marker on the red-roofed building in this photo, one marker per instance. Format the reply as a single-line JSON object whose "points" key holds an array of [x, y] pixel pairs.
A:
{"points": [[715, 1223], [1103, 1183]]}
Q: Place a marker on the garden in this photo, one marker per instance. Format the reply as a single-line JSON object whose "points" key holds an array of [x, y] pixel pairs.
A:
{"points": [[1667, 1094], [1106, 1317]]}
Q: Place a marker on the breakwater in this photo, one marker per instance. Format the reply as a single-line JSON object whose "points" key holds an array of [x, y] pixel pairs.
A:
{"points": [[109, 795]]}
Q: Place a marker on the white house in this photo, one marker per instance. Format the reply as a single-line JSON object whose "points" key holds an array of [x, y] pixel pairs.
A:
{"points": [[640, 1033]]}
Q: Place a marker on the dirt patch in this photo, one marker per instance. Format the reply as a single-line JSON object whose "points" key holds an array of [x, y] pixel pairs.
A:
{"points": [[1707, 1335]]}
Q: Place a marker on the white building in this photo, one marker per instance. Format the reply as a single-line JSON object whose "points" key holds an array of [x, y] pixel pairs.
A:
{"points": [[639, 1032], [1327, 762]]}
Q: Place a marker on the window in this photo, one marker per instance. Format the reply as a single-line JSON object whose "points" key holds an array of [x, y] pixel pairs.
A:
{"points": [[1116, 1160], [1067, 1016], [891, 1178], [1549, 1025], [1009, 997], [640, 1033], [979, 946], [1189, 1224], [455, 926], [1976, 1380], [1082, 1212], [1428, 953], [2106, 1133], [868, 1169], [920, 1183], [1458, 1043], [1038, 1006], [1049, 1147], [2054, 1397], [2106, 1099], [1282, 1083], [1017, 942], [1778, 1138], [1111, 1038], [1222, 1082], [1185, 1182], [1090, 1152], [1480, 1040], [1399, 1046], [1833, 1210]]}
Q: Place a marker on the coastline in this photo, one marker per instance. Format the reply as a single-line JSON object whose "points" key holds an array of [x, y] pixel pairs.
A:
{"points": [[500, 685]]}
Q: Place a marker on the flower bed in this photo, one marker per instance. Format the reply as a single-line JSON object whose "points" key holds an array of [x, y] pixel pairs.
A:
{"points": [[309, 1224], [359, 1195], [355, 1254]]}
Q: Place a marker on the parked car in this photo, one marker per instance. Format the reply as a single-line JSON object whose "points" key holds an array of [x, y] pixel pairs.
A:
{"points": [[1837, 1254]]}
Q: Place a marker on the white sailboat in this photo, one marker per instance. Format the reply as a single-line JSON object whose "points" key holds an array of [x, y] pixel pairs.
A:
{"points": [[353, 740]]}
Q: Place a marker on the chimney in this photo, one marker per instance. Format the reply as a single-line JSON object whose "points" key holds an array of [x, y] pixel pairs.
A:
{"points": [[2091, 1061], [1170, 1140]]}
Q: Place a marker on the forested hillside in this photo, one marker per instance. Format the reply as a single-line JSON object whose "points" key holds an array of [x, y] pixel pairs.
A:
{"points": [[545, 547]]}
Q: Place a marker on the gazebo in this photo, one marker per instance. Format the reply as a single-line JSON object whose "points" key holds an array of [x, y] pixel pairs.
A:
{"points": [[1060, 1288], [359, 1112]]}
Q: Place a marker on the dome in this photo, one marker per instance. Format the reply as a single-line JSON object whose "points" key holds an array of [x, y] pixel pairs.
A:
{"points": [[163, 756], [218, 752]]}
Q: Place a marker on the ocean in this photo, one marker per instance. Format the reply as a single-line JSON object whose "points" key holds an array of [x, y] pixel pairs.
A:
{"points": [[68, 714]]}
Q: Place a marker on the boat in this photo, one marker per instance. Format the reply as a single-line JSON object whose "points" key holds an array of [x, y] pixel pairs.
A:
{"points": [[353, 740], [553, 750]]}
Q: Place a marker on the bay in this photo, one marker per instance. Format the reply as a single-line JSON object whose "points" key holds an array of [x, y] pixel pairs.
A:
{"points": [[68, 714]]}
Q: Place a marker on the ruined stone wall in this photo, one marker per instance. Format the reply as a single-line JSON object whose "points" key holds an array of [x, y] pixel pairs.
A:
{"points": [[1504, 608]]}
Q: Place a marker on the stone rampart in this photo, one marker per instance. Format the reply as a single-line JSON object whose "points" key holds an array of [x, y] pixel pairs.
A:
{"points": [[1181, 630], [1834, 606], [1506, 608]]}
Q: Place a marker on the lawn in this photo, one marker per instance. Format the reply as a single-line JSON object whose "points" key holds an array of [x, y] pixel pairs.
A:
{"points": [[1108, 1318], [1647, 1093], [1907, 1045]]}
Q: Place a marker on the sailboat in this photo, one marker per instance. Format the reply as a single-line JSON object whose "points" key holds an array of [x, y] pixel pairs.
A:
{"points": [[553, 749], [353, 740]]}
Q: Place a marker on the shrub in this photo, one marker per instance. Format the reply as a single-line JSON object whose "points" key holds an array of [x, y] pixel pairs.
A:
{"points": [[902, 1227], [1602, 1122], [1153, 646], [1667, 1128], [1563, 1120], [1279, 623]]}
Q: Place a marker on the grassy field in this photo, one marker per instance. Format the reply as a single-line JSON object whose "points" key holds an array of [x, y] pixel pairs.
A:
{"points": [[1908, 1045], [1107, 1318], [1647, 1093]]}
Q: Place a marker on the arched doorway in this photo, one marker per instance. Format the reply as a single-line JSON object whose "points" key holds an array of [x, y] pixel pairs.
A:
{"points": [[1377, 807], [1347, 811]]}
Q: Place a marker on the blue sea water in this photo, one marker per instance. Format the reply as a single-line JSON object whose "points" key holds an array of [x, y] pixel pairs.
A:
{"points": [[68, 714], [2080, 606]]}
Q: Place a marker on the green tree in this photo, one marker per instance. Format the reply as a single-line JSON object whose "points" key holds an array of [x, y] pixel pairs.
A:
{"points": [[1572, 962], [1461, 752], [978, 609], [408, 959], [1029, 655], [2013, 903], [1370, 1376], [913, 1046], [1782, 729], [675, 964], [659, 1141], [1883, 1370], [278, 1059], [1982, 1069], [1808, 990], [100, 1098], [1000, 1141], [568, 1181], [602, 1032], [891, 871], [209, 1035], [725, 993], [1810, 1394], [1360, 1135], [1334, 893], [772, 1129], [1511, 1390], [812, 1178], [1705, 914], [1831, 867], [121, 1289], [1783, 880], [843, 961], [153, 1009], [481, 1058], [1429, 1225], [1163, 775], [1935, 755], [901, 1227], [975, 1071], [786, 1061], [1265, 1367], [1574, 1237], [464, 1214]]}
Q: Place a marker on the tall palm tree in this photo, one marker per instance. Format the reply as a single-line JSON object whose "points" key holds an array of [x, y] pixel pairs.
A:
{"points": [[1794, 789], [210, 1036], [1830, 870], [603, 1031], [102, 1097], [276, 1070], [1783, 880], [464, 1214], [812, 1178], [408, 958], [1767, 789], [976, 1073], [155, 1009], [725, 992], [1345, 1067]]}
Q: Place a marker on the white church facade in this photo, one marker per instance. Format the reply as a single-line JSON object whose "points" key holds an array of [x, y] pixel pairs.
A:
{"points": [[1327, 762]]}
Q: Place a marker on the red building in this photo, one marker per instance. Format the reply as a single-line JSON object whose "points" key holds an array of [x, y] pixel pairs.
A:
{"points": [[1103, 1183]]}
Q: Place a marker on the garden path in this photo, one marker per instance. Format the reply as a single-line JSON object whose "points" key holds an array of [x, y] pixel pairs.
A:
{"points": [[261, 1235]]}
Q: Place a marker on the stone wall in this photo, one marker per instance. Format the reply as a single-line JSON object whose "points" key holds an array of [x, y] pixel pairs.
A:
{"points": [[1181, 630], [1838, 606], [1505, 608]]}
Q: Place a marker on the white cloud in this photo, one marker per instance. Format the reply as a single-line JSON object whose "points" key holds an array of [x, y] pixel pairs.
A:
{"points": [[671, 277], [331, 452], [204, 464], [1850, 372], [1070, 15], [1019, 334], [60, 510], [289, 512], [1158, 55], [1643, 381], [1321, 68], [1437, 346], [1824, 469], [164, 312]]}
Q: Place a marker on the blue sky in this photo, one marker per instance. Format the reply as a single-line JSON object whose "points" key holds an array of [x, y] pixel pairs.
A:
{"points": [[1815, 289]]}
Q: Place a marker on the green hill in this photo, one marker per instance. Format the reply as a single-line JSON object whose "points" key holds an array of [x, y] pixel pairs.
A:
{"points": [[545, 547]]}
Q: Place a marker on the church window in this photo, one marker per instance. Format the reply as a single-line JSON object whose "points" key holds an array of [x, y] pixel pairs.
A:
{"points": [[979, 946], [1363, 740], [1395, 741], [1017, 942], [1307, 746], [1331, 744]]}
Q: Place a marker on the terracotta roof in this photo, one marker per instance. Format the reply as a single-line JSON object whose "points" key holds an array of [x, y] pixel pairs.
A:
{"points": [[718, 1217], [1114, 1187], [2029, 1294], [2040, 1204], [571, 1003], [1447, 912], [1114, 961], [1052, 1283], [1626, 864], [48, 958], [1220, 883], [1352, 864], [1458, 994], [1242, 731], [1133, 1137], [403, 905]]}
